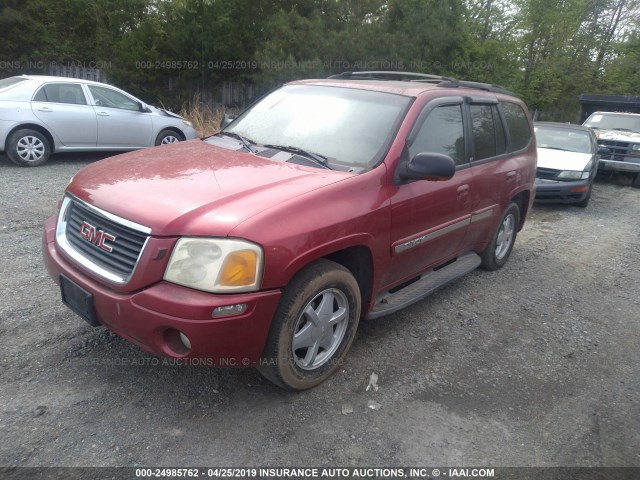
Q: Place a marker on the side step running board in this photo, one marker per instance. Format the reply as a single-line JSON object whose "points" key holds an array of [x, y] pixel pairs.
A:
{"points": [[425, 285]]}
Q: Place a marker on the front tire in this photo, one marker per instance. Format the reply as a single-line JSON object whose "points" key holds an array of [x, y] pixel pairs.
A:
{"points": [[636, 181], [28, 148], [166, 137], [313, 328], [585, 201], [496, 254]]}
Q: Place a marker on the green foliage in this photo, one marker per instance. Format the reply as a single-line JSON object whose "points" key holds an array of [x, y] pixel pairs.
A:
{"points": [[547, 51]]}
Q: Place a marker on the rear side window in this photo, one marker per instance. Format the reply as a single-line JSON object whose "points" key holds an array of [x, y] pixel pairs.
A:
{"points": [[61, 93], [517, 124], [488, 132], [442, 132]]}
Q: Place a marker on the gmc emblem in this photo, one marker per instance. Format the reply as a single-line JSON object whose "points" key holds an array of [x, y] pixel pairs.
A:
{"points": [[95, 236]]}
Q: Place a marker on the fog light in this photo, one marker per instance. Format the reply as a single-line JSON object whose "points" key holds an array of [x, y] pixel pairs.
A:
{"points": [[185, 341], [229, 310], [176, 343]]}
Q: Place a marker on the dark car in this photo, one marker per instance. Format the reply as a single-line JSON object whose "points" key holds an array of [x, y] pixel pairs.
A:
{"points": [[567, 163]]}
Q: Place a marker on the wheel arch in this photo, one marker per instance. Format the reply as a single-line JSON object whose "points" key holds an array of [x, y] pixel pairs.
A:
{"points": [[522, 200], [359, 261], [356, 257], [36, 127], [173, 129]]}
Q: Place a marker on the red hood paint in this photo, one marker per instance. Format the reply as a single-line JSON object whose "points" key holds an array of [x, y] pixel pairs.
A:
{"points": [[193, 188]]}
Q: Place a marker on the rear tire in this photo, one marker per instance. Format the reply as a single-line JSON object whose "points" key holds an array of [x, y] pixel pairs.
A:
{"points": [[28, 148], [496, 254], [313, 328]]}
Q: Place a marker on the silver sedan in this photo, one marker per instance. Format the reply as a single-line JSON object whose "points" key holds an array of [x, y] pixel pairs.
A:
{"points": [[42, 115]]}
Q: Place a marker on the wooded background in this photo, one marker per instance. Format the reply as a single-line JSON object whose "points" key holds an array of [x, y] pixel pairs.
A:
{"points": [[170, 52]]}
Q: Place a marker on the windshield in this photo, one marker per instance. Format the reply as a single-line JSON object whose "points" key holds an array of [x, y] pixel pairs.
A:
{"points": [[346, 126], [563, 139], [613, 121]]}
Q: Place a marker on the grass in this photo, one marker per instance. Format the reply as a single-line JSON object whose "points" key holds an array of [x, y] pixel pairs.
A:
{"points": [[204, 118]]}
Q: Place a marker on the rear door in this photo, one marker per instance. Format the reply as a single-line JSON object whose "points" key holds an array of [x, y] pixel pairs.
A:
{"points": [[429, 219], [63, 108], [500, 136], [121, 123]]}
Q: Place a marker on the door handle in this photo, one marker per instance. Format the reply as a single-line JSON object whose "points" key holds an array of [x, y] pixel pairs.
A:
{"points": [[45, 109], [103, 114], [463, 189]]}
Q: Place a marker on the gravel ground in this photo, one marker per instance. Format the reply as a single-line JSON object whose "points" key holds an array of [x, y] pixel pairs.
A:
{"points": [[534, 365]]}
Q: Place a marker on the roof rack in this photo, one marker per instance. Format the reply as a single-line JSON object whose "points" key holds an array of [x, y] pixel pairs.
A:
{"points": [[440, 81], [391, 75], [489, 87]]}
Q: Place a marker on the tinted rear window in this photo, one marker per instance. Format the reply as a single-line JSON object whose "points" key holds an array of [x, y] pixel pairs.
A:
{"points": [[488, 133], [517, 125]]}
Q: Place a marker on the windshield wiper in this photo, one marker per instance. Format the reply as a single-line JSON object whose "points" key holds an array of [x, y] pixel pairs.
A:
{"points": [[316, 157], [248, 144], [625, 130], [557, 148]]}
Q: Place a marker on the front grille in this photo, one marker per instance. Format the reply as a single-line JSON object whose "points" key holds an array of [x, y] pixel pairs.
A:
{"points": [[83, 221], [618, 149], [547, 173]]}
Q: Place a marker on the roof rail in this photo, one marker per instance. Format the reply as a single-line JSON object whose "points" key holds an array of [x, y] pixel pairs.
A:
{"points": [[391, 75], [489, 87], [440, 81]]}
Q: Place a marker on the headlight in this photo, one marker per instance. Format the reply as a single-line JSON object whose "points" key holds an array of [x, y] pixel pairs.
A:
{"points": [[572, 174], [215, 265], [635, 147]]}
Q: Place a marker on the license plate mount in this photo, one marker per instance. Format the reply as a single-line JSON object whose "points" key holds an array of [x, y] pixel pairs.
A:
{"points": [[78, 300]]}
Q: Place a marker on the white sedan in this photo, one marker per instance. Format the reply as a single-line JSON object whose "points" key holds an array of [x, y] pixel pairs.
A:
{"points": [[42, 115], [567, 163]]}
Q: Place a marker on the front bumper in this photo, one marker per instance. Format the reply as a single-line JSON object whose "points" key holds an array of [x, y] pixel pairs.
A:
{"points": [[620, 166], [151, 317], [554, 191]]}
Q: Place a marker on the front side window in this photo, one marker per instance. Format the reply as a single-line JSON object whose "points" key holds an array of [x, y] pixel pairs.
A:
{"points": [[441, 132], [70, 93], [105, 97], [518, 125]]}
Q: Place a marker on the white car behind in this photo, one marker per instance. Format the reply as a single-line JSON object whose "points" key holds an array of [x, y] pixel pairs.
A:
{"points": [[567, 163]]}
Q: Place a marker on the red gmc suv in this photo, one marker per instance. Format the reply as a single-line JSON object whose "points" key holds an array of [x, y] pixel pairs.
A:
{"points": [[325, 202]]}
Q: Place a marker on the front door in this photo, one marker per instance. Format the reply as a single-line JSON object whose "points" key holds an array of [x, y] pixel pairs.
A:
{"points": [[429, 219], [121, 123]]}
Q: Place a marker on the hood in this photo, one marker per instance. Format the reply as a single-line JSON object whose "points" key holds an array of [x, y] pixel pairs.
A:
{"points": [[193, 188], [617, 135], [562, 160], [162, 111]]}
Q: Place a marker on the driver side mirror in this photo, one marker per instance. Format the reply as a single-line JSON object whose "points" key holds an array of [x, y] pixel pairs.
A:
{"points": [[435, 167]]}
